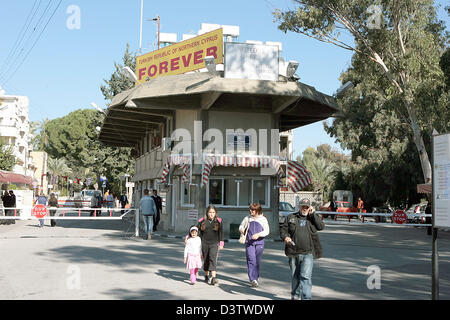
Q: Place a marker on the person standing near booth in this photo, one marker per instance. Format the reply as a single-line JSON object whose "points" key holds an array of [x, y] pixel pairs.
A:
{"points": [[158, 203]]}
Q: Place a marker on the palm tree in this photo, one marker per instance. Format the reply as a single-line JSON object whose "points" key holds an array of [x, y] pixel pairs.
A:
{"points": [[58, 168]]}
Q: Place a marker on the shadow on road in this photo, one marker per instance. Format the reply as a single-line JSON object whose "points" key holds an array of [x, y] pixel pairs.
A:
{"points": [[403, 256]]}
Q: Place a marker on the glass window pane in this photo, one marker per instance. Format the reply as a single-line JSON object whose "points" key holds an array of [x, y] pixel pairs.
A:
{"points": [[230, 198], [215, 191], [245, 192], [259, 192]]}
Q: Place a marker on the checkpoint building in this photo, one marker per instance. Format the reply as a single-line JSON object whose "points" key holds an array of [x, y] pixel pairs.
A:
{"points": [[205, 122]]}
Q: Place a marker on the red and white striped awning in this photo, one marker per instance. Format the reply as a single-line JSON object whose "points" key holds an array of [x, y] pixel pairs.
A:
{"points": [[297, 177], [245, 161], [185, 163], [11, 177]]}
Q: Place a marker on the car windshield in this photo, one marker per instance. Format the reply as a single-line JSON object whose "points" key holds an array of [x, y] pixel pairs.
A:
{"points": [[285, 206]]}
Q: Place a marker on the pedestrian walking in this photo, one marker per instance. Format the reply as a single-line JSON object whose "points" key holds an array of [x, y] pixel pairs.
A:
{"points": [[158, 202], [256, 227], [302, 246], [53, 203], [110, 200], [94, 205], [7, 203], [211, 234], [123, 201], [360, 206], [148, 210], [193, 254], [41, 199]]}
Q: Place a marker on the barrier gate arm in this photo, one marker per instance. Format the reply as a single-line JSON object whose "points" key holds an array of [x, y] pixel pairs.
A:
{"points": [[18, 216]]}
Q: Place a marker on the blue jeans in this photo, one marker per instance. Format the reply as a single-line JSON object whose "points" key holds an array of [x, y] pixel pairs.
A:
{"points": [[148, 223], [301, 271]]}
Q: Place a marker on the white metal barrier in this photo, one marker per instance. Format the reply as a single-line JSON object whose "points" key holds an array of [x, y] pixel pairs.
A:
{"points": [[410, 216], [25, 213]]}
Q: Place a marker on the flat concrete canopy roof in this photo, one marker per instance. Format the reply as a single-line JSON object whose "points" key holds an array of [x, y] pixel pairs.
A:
{"points": [[149, 104]]}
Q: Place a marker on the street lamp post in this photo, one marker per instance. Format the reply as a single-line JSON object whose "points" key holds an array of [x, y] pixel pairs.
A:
{"points": [[159, 28], [140, 33]]}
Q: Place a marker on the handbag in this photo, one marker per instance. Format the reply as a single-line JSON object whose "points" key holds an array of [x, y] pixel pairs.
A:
{"points": [[243, 237]]}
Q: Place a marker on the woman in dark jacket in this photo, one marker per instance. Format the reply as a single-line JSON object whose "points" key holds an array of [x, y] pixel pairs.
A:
{"points": [[211, 233]]}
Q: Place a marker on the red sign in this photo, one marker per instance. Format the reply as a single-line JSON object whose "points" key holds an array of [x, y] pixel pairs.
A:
{"points": [[39, 211], [399, 217]]}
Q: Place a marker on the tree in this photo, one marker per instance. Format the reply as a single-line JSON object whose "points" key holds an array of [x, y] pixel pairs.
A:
{"points": [[397, 47], [118, 82], [74, 138], [39, 134], [58, 169], [7, 159], [324, 164]]}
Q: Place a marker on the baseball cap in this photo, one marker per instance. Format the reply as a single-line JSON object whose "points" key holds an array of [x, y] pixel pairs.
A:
{"points": [[305, 203]]}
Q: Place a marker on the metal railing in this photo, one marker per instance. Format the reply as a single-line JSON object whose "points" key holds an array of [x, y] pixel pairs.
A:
{"points": [[364, 216]]}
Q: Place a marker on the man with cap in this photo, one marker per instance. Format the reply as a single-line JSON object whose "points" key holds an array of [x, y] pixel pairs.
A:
{"points": [[302, 246]]}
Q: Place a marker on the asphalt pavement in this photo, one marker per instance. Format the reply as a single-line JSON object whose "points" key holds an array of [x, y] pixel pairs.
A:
{"points": [[97, 259]]}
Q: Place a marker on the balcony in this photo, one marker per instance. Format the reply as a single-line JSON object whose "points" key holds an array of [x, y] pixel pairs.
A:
{"points": [[9, 131]]}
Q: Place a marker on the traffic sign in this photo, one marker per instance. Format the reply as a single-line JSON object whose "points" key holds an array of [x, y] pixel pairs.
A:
{"points": [[399, 217], [39, 211]]}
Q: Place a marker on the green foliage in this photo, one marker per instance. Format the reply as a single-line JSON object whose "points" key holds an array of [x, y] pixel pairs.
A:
{"points": [[400, 72], [325, 165], [7, 159], [399, 84], [74, 138], [119, 82]]}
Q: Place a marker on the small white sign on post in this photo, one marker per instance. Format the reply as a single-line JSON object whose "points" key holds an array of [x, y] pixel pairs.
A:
{"points": [[193, 215], [441, 180]]}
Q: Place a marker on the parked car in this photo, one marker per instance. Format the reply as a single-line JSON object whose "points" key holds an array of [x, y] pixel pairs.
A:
{"points": [[382, 209], [326, 207], [83, 199], [284, 209], [347, 207], [418, 208]]}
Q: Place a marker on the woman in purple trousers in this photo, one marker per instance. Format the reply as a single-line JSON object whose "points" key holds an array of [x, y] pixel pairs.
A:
{"points": [[256, 227]]}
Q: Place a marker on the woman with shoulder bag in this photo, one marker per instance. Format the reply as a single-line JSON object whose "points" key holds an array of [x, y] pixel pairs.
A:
{"points": [[255, 227]]}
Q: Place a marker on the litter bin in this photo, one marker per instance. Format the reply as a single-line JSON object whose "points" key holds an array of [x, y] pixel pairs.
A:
{"points": [[234, 231]]}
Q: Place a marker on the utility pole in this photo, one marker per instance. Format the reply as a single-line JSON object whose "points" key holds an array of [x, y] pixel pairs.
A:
{"points": [[159, 28], [140, 33]]}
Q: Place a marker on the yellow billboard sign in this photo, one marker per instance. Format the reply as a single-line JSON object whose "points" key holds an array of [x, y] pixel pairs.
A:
{"points": [[180, 57]]}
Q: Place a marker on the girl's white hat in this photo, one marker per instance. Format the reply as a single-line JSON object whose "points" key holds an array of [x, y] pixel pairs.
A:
{"points": [[193, 228]]}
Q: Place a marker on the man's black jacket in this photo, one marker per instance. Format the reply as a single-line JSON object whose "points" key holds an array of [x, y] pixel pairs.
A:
{"points": [[292, 228]]}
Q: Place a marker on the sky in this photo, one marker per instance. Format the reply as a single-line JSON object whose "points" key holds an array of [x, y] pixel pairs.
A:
{"points": [[59, 61]]}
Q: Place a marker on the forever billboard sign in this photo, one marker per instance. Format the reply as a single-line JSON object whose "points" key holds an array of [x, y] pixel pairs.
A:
{"points": [[181, 57]]}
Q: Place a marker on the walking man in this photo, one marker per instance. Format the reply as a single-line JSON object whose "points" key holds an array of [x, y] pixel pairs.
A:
{"points": [[41, 199], [123, 200], [158, 203], [148, 210], [7, 203], [360, 207], [302, 246]]}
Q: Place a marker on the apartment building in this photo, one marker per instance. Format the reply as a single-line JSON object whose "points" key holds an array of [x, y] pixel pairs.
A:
{"points": [[15, 131]]}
